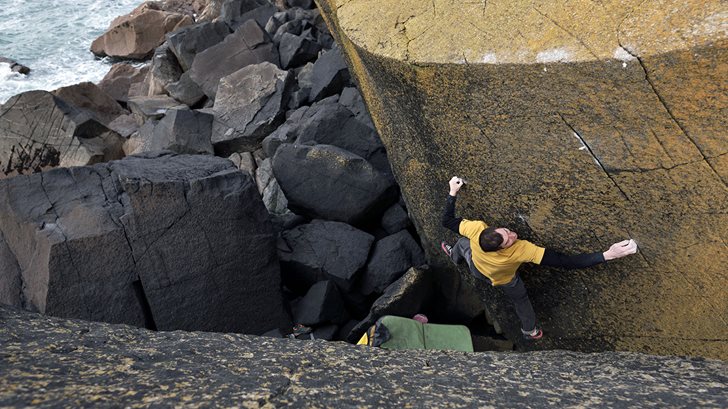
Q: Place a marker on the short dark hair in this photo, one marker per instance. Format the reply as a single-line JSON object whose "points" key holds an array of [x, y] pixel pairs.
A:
{"points": [[490, 240]]}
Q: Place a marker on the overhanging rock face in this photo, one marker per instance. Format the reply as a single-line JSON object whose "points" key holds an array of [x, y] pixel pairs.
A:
{"points": [[578, 126]]}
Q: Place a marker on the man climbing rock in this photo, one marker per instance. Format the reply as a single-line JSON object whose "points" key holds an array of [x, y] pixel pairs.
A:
{"points": [[494, 254]]}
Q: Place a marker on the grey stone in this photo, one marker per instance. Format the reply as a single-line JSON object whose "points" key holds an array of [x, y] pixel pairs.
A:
{"points": [[164, 70], [395, 219], [36, 123], [72, 360], [330, 75], [391, 257], [15, 66], [157, 240], [352, 99], [182, 131], [186, 91], [323, 250], [250, 104], [345, 188], [152, 107], [92, 100], [245, 162], [249, 44], [124, 125], [295, 50], [322, 304], [405, 297], [123, 81], [188, 41], [237, 12], [305, 4], [327, 332]]}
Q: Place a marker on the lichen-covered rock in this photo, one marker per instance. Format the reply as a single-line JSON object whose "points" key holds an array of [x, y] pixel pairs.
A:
{"points": [[50, 362], [577, 125], [163, 241]]}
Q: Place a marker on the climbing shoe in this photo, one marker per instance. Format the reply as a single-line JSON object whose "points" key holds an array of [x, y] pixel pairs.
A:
{"points": [[446, 248], [537, 333]]}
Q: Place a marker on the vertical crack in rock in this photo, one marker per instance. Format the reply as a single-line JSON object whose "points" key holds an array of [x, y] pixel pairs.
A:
{"points": [[480, 130], [591, 152], [547, 17], [664, 104], [144, 304], [58, 228]]}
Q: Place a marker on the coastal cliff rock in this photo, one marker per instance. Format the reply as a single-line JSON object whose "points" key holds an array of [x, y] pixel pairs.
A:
{"points": [[51, 362], [160, 240], [138, 33], [577, 126]]}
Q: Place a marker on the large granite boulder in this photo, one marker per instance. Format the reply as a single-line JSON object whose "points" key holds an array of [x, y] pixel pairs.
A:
{"points": [[138, 33], [345, 187], [91, 99], [162, 241], [35, 123], [249, 44], [72, 363], [577, 125], [250, 104], [323, 250], [188, 41]]}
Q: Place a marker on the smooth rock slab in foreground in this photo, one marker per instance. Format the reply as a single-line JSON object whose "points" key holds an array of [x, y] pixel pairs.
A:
{"points": [[50, 362]]}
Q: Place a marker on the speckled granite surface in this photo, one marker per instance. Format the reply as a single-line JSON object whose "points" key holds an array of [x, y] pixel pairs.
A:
{"points": [[51, 362]]}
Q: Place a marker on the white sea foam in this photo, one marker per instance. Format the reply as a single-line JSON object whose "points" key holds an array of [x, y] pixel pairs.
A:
{"points": [[53, 37]]}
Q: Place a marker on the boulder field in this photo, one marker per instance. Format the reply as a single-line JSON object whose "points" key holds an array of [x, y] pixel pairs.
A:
{"points": [[577, 126]]}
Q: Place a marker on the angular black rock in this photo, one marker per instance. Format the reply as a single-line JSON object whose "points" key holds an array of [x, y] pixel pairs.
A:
{"points": [[249, 44], [188, 41], [395, 219], [158, 240], [296, 50], [330, 75], [186, 91], [322, 304], [344, 187], [322, 250], [391, 257], [182, 131], [237, 12], [164, 70]]}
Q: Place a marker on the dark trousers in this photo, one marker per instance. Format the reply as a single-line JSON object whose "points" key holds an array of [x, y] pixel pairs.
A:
{"points": [[514, 290]]}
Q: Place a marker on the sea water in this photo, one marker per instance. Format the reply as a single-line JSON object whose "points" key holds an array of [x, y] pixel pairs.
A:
{"points": [[52, 38]]}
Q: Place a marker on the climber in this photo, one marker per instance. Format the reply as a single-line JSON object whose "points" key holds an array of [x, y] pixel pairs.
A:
{"points": [[493, 254]]}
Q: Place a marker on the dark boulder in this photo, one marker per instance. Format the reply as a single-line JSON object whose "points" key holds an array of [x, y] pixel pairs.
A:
{"points": [[237, 12], [35, 124], [161, 240], [322, 304], [304, 4], [15, 66], [92, 100], [351, 98], [164, 70], [322, 250], [296, 50], [249, 44], [152, 107], [345, 187], [182, 131], [123, 81], [391, 257], [395, 219], [330, 75], [327, 332], [409, 295], [186, 91], [250, 104], [188, 41]]}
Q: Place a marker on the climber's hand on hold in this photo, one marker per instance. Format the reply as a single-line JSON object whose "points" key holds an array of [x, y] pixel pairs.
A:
{"points": [[621, 249], [455, 184]]}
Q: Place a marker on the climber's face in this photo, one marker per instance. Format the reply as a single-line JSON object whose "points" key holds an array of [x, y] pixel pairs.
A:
{"points": [[509, 237]]}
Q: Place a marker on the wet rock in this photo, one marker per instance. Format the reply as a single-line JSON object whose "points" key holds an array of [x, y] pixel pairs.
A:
{"points": [[322, 304], [15, 66], [138, 33], [250, 104], [35, 124], [249, 44], [155, 240], [407, 296], [391, 257], [346, 188], [323, 250], [188, 41]]}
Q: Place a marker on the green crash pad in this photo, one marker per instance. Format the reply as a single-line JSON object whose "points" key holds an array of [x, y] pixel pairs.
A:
{"points": [[405, 333]]}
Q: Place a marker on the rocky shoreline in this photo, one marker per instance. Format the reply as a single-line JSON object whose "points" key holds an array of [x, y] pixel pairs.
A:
{"points": [[260, 84]]}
